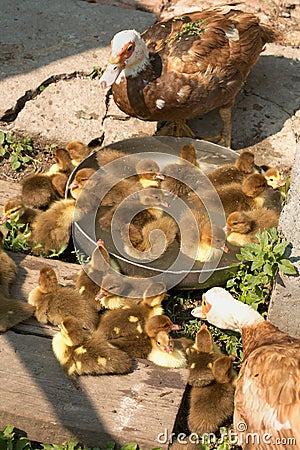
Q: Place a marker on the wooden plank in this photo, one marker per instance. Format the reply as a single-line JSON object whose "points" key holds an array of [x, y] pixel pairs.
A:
{"points": [[38, 398]]}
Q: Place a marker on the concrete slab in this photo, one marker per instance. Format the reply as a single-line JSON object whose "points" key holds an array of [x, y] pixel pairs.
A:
{"points": [[284, 310], [39, 40]]}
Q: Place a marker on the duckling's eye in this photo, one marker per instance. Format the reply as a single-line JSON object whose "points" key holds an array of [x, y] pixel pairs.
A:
{"points": [[234, 223], [158, 342]]}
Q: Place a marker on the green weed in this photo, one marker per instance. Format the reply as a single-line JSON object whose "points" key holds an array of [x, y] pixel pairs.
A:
{"points": [[18, 152]]}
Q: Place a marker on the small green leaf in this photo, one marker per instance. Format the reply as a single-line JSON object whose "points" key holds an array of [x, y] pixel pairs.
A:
{"points": [[268, 269], [279, 248], [130, 447], [2, 150], [285, 266]]}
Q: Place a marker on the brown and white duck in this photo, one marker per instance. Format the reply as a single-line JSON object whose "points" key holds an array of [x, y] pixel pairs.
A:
{"points": [[267, 398], [185, 66], [82, 353]]}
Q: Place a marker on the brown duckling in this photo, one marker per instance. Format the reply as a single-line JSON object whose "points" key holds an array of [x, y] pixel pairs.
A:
{"points": [[233, 173], [12, 312], [39, 190], [90, 277], [15, 208], [116, 291], [242, 226], [62, 163], [205, 241], [138, 344], [152, 240], [213, 384], [274, 178], [245, 196], [167, 352], [138, 209], [8, 269], [77, 151], [82, 353], [52, 229], [131, 320], [123, 163], [54, 302], [145, 174], [80, 180]]}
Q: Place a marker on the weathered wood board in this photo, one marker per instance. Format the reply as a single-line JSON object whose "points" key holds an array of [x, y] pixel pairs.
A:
{"points": [[38, 398]]}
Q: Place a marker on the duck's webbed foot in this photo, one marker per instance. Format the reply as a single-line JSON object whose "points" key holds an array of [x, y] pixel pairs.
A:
{"points": [[177, 128]]}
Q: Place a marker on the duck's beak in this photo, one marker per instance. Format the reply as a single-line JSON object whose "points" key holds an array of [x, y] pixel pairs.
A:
{"points": [[111, 73], [225, 249], [169, 349], [280, 182], [198, 312], [165, 204], [4, 219], [160, 176], [74, 185]]}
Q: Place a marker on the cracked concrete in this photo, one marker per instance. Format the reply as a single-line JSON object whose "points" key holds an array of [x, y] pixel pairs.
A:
{"points": [[62, 42]]}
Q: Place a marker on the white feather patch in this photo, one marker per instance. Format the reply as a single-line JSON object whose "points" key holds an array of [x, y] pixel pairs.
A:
{"points": [[160, 103], [233, 34]]}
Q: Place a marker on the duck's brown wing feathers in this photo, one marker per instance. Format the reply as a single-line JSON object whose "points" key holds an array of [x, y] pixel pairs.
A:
{"points": [[268, 392]]}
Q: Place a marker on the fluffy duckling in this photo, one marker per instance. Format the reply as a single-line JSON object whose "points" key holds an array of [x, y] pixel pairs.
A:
{"points": [[82, 353], [15, 208], [242, 226], [131, 320], [274, 178], [80, 181], [8, 269], [52, 229], [145, 174], [90, 277], [267, 397], [137, 344], [245, 196], [152, 241], [41, 189], [123, 163], [62, 163], [183, 176], [138, 209], [77, 151], [12, 312], [213, 384], [166, 351], [205, 241], [233, 173], [54, 302], [116, 291]]}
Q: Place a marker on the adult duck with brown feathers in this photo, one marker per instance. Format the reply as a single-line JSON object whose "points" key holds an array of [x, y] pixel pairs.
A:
{"points": [[186, 66]]}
